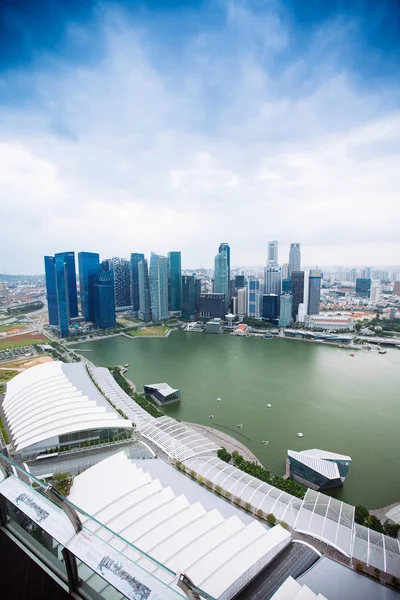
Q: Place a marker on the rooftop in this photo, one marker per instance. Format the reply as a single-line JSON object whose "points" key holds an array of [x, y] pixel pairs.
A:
{"points": [[326, 468], [163, 388]]}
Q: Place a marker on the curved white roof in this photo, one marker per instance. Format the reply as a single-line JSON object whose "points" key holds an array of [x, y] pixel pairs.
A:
{"points": [[53, 399]]}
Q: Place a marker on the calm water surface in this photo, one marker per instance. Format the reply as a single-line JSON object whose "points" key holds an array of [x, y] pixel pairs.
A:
{"points": [[342, 404]]}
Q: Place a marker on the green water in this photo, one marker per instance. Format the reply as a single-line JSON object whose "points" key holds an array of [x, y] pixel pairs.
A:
{"points": [[342, 404]]}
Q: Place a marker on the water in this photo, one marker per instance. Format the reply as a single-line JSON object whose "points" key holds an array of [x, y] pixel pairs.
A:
{"points": [[342, 404]]}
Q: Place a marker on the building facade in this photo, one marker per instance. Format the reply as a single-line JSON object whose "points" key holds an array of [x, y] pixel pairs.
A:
{"points": [[254, 298], [294, 258], [273, 280], [104, 300], [122, 282], [212, 306], [51, 289], [158, 278], [224, 247], [270, 309], [297, 291], [136, 258], [175, 282], [363, 287], [330, 323], [375, 292], [221, 276], [62, 281], [188, 297], [272, 257], [314, 292], [242, 301], [89, 270], [144, 291], [285, 310]]}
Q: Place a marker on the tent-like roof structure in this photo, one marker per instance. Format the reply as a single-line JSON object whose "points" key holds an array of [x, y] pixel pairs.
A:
{"points": [[54, 399]]}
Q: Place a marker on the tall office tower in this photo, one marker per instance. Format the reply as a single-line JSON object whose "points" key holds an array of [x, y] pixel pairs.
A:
{"points": [[273, 280], [363, 287], [285, 310], [212, 306], [197, 293], [51, 289], [254, 296], [188, 297], [62, 281], [136, 258], [69, 260], [106, 265], [353, 275], [302, 313], [270, 307], [366, 273], [285, 270], [240, 281], [158, 277], [221, 280], [297, 291], [224, 247], [294, 258], [104, 300], [175, 282], [144, 291], [375, 291], [287, 286], [242, 302], [314, 292], [122, 282], [272, 258], [89, 270]]}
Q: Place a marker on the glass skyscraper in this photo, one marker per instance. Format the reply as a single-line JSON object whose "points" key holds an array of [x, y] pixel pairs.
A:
{"points": [[298, 291], [270, 307], [51, 288], [254, 298], [221, 280], [62, 298], [285, 311], [69, 259], [314, 292], [136, 258], [175, 281], [144, 291], [159, 287], [104, 300], [363, 287], [272, 258], [224, 247], [294, 258], [273, 280], [122, 282], [89, 270], [188, 297], [62, 281]]}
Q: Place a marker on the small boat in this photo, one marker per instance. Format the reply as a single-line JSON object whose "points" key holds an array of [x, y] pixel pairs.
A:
{"points": [[265, 442], [300, 434], [218, 399], [269, 405], [382, 351], [352, 354], [267, 336], [210, 416], [240, 425], [126, 366]]}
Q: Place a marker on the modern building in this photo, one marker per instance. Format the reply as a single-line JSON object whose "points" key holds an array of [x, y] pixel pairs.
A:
{"points": [[254, 298], [240, 281], [294, 258], [211, 306], [89, 270], [158, 278], [188, 297], [144, 291], [301, 313], [270, 310], [62, 296], [363, 287], [136, 258], [396, 288], [241, 329], [242, 301], [104, 300], [297, 291], [51, 289], [175, 283], [287, 287], [375, 292], [70, 271], [273, 280], [221, 276], [330, 323], [61, 408], [224, 247], [162, 393], [214, 326], [122, 282], [285, 271], [272, 257], [285, 310], [318, 469], [314, 291]]}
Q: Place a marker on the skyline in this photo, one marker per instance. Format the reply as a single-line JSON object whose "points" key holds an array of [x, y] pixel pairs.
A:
{"points": [[174, 126]]}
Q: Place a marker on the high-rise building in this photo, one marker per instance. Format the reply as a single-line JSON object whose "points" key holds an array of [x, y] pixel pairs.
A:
{"points": [[104, 300], [270, 307], [158, 277], [197, 294], [285, 270], [272, 258], [89, 270], [396, 288], [69, 259], [224, 247], [363, 287], [188, 297], [144, 291], [240, 281], [287, 286], [51, 288], [254, 297], [298, 291], [285, 310], [122, 282], [221, 278], [62, 281], [301, 313], [175, 282], [314, 292], [242, 301], [375, 291], [212, 306], [273, 280], [294, 258], [136, 258]]}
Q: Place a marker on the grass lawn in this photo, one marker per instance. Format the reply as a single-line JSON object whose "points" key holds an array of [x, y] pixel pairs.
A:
{"points": [[22, 341], [149, 331], [7, 375], [13, 327]]}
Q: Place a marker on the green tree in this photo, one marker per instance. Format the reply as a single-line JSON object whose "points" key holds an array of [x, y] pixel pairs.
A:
{"points": [[224, 455], [271, 519], [361, 514]]}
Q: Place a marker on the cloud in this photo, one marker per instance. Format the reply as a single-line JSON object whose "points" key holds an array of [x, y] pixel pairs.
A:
{"points": [[223, 141]]}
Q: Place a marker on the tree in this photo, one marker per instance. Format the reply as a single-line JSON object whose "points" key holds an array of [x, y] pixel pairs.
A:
{"points": [[224, 455], [361, 514], [271, 519]]}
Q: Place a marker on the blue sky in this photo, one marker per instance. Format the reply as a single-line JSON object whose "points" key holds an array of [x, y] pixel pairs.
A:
{"points": [[171, 125]]}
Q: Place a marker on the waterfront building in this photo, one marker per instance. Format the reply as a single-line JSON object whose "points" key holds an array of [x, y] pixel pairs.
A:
{"points": [[330, 323], [272, 258], [363, 287], [122, 282], [175, 283], [221, 280], [241, 329], [158, 278], [375, 292], [197, 293], [270, 309], [211, 306], [297, 291], [273, 280], [242, 301], [285, 270], [188, 297], [319, 469], [254, 298], [224, 247], [70, 271], [136, 258], [51, 289], [294, 258], [89, 270], [144, 291], [314, 291], [214, 326], [104, 300], [285, 310], [162, 393]]}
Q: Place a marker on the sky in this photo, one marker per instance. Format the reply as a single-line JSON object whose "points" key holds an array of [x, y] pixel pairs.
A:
{"points": [[164, 125]]}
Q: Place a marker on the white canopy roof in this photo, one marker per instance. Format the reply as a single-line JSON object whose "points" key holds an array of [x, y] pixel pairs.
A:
{"points": [[53, 399]]}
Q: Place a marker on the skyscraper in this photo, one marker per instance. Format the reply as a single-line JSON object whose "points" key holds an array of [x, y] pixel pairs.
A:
{"points": [[314, 292], [254, 298], [224, 247], [62, 281], [298, 291], [273, 280], [61, 290], [188, 297], [104, 300], [136, 258], [159, 286], [122, 282], [175, 282], [221, 281], [294, 258], [51, 288], [270, 307], [272, 258], [375, 292], [242, 301], [285, 270], [144, 291], [285, 311], [363, 287], [89, 270]]}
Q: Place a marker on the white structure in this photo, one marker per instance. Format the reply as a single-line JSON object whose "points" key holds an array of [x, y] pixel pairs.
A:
{"points": [[230, 318], [375, 292], [330, 322], [56, 404], [219, 554], [294, 257], [302, 313], [272, 258], [394, 514], [242, 302], [292, 590]]}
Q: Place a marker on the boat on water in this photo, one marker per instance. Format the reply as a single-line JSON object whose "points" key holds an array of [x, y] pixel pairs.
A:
{"points": [[126, 366], [240, 426], [382, 351], [300, 434], [210, 416], [352, 354], [265, 442], [269, 405]]}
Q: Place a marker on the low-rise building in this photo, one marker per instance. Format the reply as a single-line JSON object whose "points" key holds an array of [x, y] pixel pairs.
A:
{"points": [[214, 326], [330, 323], [241, 329], [162, 393], [318, 469]]}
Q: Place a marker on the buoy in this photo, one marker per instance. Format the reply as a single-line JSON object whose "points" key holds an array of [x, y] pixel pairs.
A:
{"points": [[299, 434], [218, 399], [265, 442], [269, 405], [211, 416], [240, 425]]}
